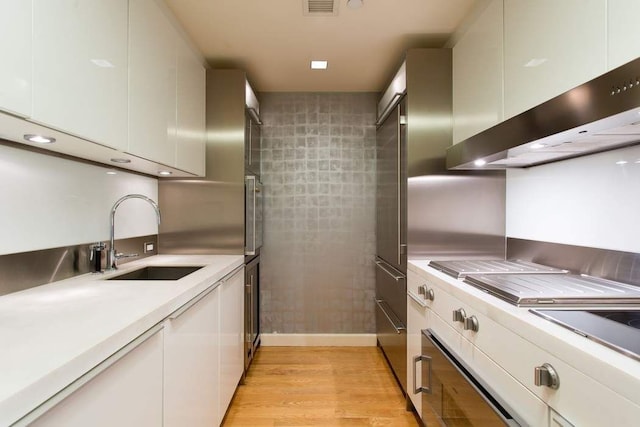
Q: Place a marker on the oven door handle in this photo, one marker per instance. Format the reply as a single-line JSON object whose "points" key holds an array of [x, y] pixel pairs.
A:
{"points": [[422, 388]]}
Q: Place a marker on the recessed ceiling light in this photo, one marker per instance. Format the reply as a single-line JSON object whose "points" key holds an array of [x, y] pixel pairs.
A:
{"points": [[537, 146], [164, 173], [621, 162], [120, 160], [319, 65], [112, 173], [40, 139], [480, 162]]}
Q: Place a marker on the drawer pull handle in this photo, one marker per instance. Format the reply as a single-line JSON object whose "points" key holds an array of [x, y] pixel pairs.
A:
{"points": [[471, 324], [459, 315], [546, 376], [426, 292]]}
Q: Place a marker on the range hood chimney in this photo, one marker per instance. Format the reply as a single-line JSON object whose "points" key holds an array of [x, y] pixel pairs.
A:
{"points": [[599, 115]]}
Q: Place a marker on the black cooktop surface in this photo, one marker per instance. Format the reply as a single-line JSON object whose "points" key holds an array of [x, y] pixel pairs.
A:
{"points": [[616, 329]]}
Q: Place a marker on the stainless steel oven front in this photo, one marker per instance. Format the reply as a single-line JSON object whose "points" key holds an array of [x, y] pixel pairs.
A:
{"points": [[452, 391]]}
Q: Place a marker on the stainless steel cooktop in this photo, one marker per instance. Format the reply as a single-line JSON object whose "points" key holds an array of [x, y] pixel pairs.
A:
{"points": [[616, 329], [534, 290], [459, 269]]}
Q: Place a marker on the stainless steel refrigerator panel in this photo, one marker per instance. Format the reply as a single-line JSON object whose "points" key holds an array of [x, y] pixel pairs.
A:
{"points": [[225, 125], [428, 110], [391, 286], [391, 334], [390, 191], [456, 216]]}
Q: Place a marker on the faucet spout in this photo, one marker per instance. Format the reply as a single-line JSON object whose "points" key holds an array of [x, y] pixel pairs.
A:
{"points": [[113, 255]]}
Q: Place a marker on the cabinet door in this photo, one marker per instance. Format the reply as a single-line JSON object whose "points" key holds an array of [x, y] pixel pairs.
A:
{"points": [[191, 364], [191, 94], [16, 48], [127, 393], [624, 32], [550, 47], [231, 337], [152, 83], [80, 68], [416, 321], [477, 75]]}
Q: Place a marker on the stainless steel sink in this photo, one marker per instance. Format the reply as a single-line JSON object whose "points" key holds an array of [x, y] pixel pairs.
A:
{"points": [[157, 273]]}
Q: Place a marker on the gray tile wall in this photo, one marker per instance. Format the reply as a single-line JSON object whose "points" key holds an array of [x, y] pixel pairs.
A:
{"points": [[317, 269]]}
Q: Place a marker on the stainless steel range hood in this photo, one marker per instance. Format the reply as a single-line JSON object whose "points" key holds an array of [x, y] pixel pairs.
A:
{"points": [[599, 115]]}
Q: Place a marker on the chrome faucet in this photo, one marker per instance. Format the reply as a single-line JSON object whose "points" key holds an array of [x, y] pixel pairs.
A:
{"points": [[113, 255]]}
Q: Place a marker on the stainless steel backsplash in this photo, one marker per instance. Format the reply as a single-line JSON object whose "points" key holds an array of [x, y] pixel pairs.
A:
{"points": [[609, 264], [456, 216], [29, 269]]}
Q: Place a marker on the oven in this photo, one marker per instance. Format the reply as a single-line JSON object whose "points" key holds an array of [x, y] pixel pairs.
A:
{"points": [[452, 391]]}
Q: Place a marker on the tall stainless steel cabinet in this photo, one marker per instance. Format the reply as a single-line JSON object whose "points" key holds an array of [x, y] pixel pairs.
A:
{"points": [[413, 132]]}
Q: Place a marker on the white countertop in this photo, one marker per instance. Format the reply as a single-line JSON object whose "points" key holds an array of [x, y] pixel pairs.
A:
{"points": [[52, 334], [610, 368]]}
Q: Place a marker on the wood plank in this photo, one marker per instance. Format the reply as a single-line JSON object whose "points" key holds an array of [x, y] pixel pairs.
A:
{"points": [[319, 386]]}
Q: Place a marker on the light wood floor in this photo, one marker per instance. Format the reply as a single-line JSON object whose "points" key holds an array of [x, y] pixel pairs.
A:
{"points": [[326, 386]]}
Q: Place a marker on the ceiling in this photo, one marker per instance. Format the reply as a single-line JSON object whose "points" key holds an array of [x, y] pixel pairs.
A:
{"points": [[274, 41]]}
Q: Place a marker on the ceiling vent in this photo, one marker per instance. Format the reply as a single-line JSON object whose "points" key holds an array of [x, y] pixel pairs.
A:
{"points": [[320, 7]]}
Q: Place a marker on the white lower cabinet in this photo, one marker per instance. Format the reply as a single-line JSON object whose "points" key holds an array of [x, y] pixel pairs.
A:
{"points": [[416, 321], [231, 337], [127, 393], [182, 372], [191, 375]]}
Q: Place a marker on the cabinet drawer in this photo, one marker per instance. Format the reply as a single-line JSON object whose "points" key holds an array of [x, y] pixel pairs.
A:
{"points": [[578, 395]]}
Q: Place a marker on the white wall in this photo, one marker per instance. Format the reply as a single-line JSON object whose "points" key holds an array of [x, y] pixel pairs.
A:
{"points": [[589, 201], [47, 202]]}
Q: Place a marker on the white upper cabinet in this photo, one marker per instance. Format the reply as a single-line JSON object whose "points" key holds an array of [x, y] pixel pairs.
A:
{"points": [[624, 32], [550, 47], [80, 68], [477, 75], [152, 83], [16, 48], [191, 92]]}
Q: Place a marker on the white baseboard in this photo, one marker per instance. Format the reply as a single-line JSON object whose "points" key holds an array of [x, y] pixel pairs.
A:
{"points": [[318, 340]]}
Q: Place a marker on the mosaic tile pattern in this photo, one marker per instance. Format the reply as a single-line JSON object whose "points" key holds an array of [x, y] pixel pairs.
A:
{"points": [[318, 171]]}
